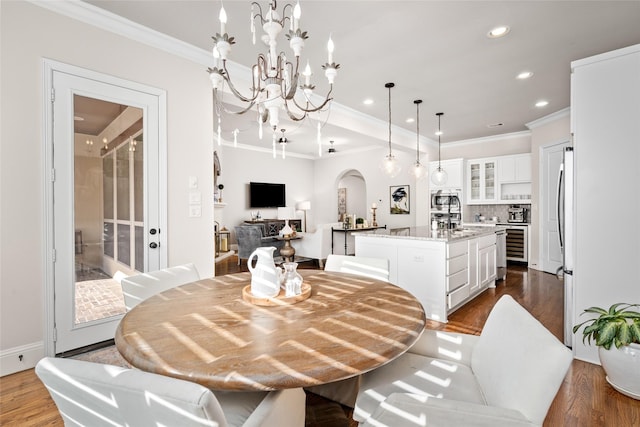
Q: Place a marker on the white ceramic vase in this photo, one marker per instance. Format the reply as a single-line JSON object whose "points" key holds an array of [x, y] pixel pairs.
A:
{"points": [[286, 230], [265, 276], [622, 366]]}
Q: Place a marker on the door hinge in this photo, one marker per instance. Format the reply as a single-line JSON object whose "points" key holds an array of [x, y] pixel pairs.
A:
{"points": [[572, 138], [55, 334], [54, 255], [53, 94], [53, 175]]}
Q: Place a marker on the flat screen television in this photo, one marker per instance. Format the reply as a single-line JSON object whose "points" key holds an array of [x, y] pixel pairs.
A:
{"points": [[266, 195]]}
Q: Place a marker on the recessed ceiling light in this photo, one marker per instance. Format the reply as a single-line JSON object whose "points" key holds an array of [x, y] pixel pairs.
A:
{"points": [[368, 101], [525, 75], [500, 31], [410, 120], [438, 133], [542, 103]]}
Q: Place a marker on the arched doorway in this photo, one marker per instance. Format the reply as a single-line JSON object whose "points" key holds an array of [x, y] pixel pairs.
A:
{"points": [[352, 194]]}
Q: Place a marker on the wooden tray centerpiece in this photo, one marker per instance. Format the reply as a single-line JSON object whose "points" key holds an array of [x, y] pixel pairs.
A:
{"points": [[279, 299]]}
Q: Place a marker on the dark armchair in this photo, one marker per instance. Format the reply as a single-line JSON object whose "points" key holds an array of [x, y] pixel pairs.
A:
{"points": [[251, 237]]}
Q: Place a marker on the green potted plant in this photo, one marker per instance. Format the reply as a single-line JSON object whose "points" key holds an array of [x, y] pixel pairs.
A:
{"points": [[616, 333], [359, 222]]}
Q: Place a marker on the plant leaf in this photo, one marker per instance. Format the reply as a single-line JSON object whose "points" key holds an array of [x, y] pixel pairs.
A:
{"points": [[606, 334], [596, 310], [624, 335], [634, 329]]}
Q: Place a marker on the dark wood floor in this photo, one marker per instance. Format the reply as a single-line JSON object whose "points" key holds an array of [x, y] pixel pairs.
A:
{"points": [[585, 398]]}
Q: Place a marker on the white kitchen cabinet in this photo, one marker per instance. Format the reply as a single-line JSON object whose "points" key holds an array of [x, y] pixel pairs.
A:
{"points": [[482, 181], [455, 174], [516, 168], [442, 275], [487, 272], [514, 178], [474, 262]]}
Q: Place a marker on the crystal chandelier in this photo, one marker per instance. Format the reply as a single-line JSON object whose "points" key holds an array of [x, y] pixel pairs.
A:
{"points": [[276, 82]]}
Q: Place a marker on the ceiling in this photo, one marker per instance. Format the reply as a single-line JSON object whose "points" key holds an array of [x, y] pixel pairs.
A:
{"points": [[437, 51]]}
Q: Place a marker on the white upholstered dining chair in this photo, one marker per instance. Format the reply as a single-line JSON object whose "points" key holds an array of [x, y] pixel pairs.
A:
{"points": [[94, 394], [507, 376], [345, 391], [374, 268], [138, 288]]}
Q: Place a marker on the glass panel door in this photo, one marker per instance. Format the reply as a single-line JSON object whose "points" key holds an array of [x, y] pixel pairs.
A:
{"points": [[106, 196], [103, 207], [489, 180]]}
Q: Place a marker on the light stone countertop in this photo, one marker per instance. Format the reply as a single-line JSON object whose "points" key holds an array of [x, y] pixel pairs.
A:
{"points": [[425, 233]]}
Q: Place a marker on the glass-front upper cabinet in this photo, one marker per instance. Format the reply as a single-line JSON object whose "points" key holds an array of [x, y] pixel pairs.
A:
{"points": [[481, 181]]}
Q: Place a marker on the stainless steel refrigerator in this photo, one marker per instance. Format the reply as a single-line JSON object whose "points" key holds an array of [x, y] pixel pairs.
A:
{"points": [[565, 232]]}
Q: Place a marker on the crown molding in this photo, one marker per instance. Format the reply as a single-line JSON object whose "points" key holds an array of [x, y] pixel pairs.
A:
{"points": [[549, 118], [108, 21], [492, 138]]}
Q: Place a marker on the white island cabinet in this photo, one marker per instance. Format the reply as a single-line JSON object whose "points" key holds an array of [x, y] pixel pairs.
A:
{"points": [[443, 269]]}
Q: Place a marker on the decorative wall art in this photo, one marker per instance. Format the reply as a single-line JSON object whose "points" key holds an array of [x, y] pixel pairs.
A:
{"points": [[399, 199], [342, 202]]}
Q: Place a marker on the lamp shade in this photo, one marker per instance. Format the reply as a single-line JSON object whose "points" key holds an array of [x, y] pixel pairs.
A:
{"points": [[304, 205], [286, 213]]}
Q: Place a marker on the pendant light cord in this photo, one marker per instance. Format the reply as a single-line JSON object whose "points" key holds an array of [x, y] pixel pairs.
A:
{"points": [[418, 102], [389, 86], [439, 133]]}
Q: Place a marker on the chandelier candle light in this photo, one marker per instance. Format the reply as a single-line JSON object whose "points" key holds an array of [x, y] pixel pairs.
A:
{"points": [[275, 80], [439, 176]]}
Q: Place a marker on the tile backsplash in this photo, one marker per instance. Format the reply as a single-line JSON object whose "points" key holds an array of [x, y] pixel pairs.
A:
{"points": [[488, 211]]}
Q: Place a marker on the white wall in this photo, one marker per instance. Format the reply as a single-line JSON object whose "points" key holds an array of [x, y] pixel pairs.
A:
{"points": [[548, 132], [316, 181], [330, 168], [240, 166], [356, 191], [605, 97], [29, 34]]}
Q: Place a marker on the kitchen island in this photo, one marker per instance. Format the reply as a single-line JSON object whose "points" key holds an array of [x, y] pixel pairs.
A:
{"points": [[443, 269]]}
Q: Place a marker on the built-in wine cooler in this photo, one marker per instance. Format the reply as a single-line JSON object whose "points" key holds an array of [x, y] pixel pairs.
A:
{"points": [[517, 243]]}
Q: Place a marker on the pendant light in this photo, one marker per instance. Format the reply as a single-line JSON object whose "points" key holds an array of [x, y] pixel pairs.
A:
{"points": [[389, 164], [439, 176], [418, 171]]}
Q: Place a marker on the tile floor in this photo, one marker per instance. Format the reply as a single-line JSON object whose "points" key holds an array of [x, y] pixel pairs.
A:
{"points": [[97, 296]]}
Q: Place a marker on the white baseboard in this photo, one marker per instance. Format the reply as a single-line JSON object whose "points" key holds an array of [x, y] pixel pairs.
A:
{"points": [[12, 362]]}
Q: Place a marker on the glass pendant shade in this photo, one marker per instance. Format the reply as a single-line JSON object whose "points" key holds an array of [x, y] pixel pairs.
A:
{"points": [[390, 166], [418, 171], [439, 176]]}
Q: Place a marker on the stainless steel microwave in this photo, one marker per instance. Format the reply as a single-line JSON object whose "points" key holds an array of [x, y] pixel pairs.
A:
{"points": [[445, 200]]}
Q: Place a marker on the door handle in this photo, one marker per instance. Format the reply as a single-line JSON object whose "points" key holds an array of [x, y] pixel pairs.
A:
{"points": [[154, 245], [153, 231]]}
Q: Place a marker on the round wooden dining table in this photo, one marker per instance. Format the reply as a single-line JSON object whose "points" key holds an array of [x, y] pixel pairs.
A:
{"points": [[206, 332]]}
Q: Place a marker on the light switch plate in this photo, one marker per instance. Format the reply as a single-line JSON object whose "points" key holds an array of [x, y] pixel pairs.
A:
{"points": [[195, 197], [195, 211], [193, 182]]}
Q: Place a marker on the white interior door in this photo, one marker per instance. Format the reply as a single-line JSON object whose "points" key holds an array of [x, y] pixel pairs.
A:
{"points": [[108, 210], [551, 254]]}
